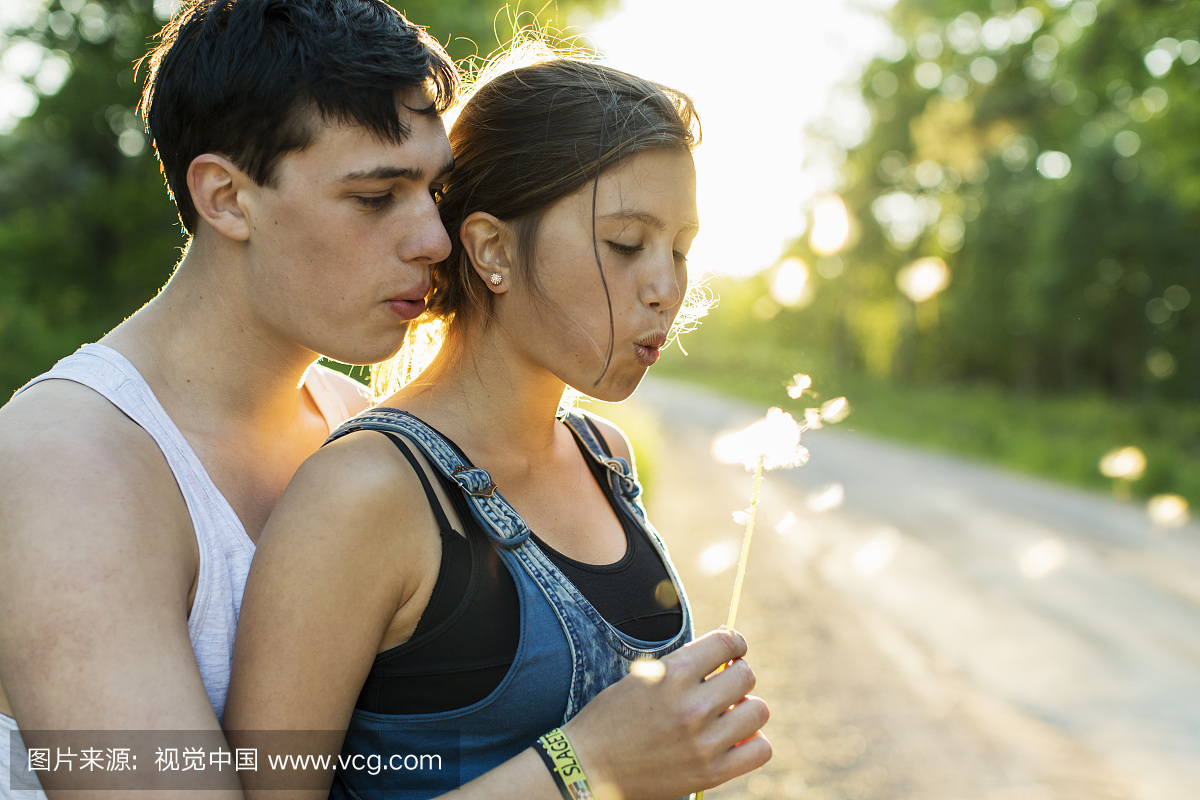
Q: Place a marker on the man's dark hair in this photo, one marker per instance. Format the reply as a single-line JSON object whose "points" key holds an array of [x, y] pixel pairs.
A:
{"points": [[251, 80]]}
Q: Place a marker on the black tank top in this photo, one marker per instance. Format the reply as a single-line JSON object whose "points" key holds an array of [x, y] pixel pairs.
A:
{"points": [[467, 636]]}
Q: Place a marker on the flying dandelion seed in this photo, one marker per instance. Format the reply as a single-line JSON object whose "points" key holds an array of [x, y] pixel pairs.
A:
{"points": [[774, 440], [812, 419], [829, 498], [1125, 463], [1168, 510], [1043, 558], [716, 558], [835, 410], [799, 383], [786, 524], [876, 554], [741, 517]]}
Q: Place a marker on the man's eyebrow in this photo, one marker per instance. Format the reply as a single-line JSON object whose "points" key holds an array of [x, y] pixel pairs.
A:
{"points": [[386, 173], [646, 218]]}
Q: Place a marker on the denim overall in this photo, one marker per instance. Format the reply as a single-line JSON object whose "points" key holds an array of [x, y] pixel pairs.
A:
{"points": [[567, 653]]}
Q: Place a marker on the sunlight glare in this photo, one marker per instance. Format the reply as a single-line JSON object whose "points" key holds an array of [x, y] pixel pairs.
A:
{"points": [[757, 172], [648, 669]]}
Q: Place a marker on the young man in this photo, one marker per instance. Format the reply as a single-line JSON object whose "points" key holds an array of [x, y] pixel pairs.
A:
{"points": [[303, 146]]}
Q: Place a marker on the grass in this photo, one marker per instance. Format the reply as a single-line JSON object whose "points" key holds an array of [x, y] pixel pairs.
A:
{"points": [[1059, 438]]}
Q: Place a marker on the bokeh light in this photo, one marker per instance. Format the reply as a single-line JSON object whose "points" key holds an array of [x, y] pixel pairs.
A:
{"points": [[831, 225], [923, 278], [1125, 463], [1168, 510], [1043, 558]]}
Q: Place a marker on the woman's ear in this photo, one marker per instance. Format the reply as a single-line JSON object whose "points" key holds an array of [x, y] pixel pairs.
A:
{"points": [[214, 181], [486, 242]]}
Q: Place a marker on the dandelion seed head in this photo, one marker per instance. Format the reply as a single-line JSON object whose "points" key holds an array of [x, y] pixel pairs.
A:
{"points": [[1168, 510], [1128, 463], [774, 439], [799, 383]]}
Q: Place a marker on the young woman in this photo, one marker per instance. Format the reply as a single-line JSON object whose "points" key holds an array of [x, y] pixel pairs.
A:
{"points": [[462, 569]]}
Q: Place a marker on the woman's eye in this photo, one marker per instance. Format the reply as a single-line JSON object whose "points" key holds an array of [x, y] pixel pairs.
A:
{"points": [[680, 258], [374, 202], [437, 193], [626, 249]]}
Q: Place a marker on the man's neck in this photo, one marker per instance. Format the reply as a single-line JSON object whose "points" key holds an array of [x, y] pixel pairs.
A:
{"points": [[200, 348]]}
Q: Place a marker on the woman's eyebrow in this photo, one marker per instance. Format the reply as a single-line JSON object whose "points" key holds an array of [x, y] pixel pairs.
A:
{"points": [[646, 218]]}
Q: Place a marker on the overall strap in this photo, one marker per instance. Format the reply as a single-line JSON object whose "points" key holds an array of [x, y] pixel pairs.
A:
{"points": [[503, 525], [434, 504], [621, 474]]}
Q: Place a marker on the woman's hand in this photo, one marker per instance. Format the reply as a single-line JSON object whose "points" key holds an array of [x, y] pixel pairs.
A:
{"points": [[657, 738]]}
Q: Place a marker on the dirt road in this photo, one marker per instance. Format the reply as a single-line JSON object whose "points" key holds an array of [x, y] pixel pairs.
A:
{"points": [[948, 631]]}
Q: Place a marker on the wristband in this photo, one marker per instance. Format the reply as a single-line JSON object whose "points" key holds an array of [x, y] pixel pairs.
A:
{"points": [[555, 749]]}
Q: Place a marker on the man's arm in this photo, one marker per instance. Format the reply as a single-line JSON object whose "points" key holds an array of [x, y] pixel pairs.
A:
{"points": [[97, 563]]}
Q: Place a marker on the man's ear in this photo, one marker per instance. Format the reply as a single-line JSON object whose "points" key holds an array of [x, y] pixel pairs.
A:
{"points": [[214, 181], [486, 242]]}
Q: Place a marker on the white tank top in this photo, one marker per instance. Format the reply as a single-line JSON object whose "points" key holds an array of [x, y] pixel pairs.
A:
{"points": [[225, 549]]}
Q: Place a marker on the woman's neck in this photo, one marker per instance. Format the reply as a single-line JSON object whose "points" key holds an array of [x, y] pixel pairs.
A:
{"points": [[484, 398]]}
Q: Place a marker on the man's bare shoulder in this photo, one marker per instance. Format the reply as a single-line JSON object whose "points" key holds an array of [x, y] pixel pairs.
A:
{"points": [[67, 455], [99, 559]]}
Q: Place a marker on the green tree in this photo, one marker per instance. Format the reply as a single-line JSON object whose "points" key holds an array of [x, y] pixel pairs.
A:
{"points": [[1041, 149]]}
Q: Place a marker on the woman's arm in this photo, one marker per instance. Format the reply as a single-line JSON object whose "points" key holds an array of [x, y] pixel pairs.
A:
{"points": [[347, 547]]}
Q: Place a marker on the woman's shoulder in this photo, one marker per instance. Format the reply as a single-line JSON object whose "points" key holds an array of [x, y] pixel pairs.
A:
{"points": [[361, 479], [614, 438]]}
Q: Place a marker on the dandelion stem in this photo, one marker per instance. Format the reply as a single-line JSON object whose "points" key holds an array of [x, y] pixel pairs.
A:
{"points": [[741, 570]]}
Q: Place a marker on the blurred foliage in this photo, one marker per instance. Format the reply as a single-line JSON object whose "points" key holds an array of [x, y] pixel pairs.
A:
{"points": [[87, 233], [1042, 150]]}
